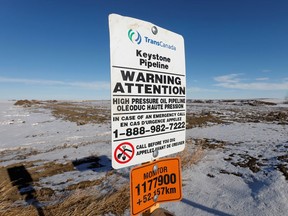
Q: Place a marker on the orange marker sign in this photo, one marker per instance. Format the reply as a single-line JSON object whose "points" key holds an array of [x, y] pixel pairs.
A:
{"points": [[155, 182]]}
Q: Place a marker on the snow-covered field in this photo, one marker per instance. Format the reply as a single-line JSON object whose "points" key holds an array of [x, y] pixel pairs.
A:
{"points": [[235, 161]]}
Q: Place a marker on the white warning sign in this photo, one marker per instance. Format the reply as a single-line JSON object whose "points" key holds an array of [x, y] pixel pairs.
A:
{"points": [[148, 91]]}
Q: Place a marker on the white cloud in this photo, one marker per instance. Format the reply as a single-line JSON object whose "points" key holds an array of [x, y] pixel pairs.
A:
{"points": [[29, 81], [255, 86], [266, 71], [90, 85], [197, 89], [229, 78], [85, 85], [262, 78], [232, 81]]}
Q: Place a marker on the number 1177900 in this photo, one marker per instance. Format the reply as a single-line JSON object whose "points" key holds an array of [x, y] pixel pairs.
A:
{"points": [[158, 181]]}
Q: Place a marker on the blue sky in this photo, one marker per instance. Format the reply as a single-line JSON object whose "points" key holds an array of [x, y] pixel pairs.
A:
{"points": [[56, 49]]}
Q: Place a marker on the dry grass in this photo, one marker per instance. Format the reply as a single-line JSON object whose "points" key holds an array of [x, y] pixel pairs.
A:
{"points": [[83, 198], [49, 169], [282, 168], [81, 204], [69, 111], [26, 103], [202, 120], [210, 143], [78, 203], [78, 199], [11, 193], [190, 156], [79, 114]]}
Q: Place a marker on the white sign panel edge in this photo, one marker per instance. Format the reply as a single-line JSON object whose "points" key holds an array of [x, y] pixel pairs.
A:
{"points": [[135, 51]]}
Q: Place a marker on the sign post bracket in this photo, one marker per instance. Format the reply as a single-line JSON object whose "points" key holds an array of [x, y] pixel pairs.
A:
{"points": [[153, 208]]}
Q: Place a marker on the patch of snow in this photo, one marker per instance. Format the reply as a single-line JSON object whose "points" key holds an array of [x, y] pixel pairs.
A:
{"points": [[219, 184]]}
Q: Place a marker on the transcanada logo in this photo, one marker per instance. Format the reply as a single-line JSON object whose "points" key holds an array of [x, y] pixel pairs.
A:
{"points": [[159, 43], [135, 37]]}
